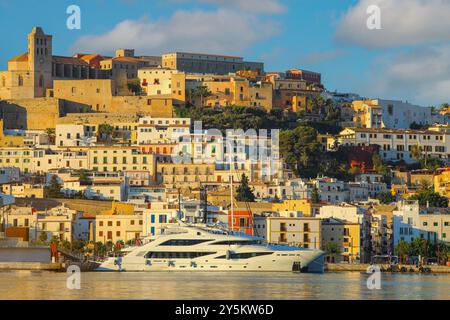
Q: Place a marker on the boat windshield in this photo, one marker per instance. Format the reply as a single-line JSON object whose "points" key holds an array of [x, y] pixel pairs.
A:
{"points": [[237, 242]]}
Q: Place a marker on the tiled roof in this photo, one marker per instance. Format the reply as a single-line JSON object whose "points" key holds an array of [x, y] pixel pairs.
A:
{"points": [[20, 58], [89, 57]]}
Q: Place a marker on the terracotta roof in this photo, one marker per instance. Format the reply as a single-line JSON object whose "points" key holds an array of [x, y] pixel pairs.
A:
{"points": [[20, 58], [70, 60], [89, 57]]}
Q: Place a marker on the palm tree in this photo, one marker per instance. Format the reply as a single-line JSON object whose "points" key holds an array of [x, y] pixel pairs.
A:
{"points": [[403, 249], [200, 92]]}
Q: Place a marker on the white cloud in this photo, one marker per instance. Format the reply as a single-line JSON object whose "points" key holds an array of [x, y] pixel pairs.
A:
{"points": [[421, 76], [221, 31], [403, 22]]}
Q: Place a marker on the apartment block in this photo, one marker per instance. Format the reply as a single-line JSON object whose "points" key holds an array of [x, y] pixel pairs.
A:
{"points": [[208, 63], [303, 232], [346, 235], [116, 228], [396, 145]]}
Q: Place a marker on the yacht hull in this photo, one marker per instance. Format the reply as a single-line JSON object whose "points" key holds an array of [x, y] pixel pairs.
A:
{"points": [[311, 262]]}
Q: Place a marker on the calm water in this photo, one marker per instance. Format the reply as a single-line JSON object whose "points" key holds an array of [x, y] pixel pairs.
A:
{"points": [[263, 286]]}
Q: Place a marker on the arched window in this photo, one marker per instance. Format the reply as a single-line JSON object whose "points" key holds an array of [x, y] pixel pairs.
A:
{"points": [[20, 80]]}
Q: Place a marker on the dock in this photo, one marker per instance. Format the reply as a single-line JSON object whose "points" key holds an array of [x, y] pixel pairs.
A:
{"points": [[30, 266], [345, 267]]}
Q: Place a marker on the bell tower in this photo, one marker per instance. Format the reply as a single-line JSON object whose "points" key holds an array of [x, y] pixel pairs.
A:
{"points": [[40, 60]]}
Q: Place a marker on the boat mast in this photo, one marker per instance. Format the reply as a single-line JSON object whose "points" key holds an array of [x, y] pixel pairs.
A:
{"points": [[232, 197]]}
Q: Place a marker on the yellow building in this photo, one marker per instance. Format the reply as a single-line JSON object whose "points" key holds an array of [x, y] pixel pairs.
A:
{"points": [[304, 206], [9, 141], [239, 92], [303, 232], [125, 62], [56, 222], [33, 113], [95, 94], [208, 63], [185, 175], [119, 208], [346, 236], [367, 114], [163, 82], [442, 183], [24, 190], [31, 74], [118, 228]]}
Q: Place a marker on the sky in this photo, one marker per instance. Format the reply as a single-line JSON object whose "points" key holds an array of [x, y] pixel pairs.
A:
{"points": [[407, 59]]}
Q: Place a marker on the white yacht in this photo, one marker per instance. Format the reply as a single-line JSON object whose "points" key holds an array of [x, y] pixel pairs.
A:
{"points": [[202, 248]]}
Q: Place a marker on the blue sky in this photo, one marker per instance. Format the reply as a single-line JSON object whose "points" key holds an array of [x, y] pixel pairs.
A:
{"points": [[408, 59]]}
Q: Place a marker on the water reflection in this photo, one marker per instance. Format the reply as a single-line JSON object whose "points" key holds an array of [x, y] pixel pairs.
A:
{"points": [[261, 286]]}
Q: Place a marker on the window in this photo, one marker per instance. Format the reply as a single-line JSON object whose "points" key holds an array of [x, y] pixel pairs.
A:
{"points": [[236, 242], [245, 255], [177, 255], [183, 242]]}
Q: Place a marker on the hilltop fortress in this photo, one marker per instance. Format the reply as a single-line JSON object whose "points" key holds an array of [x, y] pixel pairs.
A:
{"points": [[39, 87]]}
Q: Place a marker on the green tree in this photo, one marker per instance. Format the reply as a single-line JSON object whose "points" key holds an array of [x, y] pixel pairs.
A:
{"points": [[332, 249], [83, 175], [441, 250], [315, 196], [105, 131], [386, 197], [403, 250], [54, 188], [201, 92], [135, 86], [301, 150], [101, 249], [419, 246], [244, 192], [430, 198], [43, 237]]}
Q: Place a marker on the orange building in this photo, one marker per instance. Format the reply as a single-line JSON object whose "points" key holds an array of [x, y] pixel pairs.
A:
{"points": [[242, 222], [93, 59]]}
